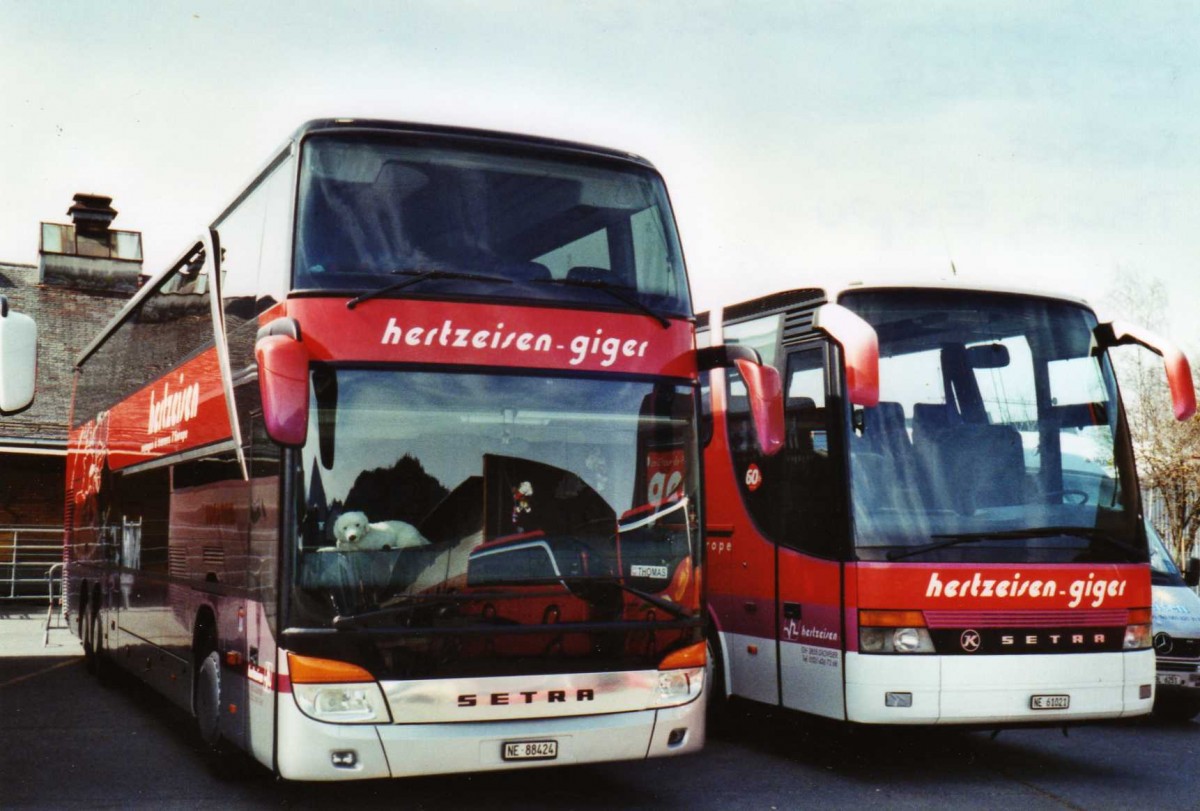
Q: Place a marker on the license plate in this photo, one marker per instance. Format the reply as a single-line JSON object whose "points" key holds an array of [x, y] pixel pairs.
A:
{"points": [[1179, 679], [529, 750], [1049, 702]]}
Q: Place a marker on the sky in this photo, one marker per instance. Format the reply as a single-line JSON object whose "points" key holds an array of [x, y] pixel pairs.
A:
{"points": [[1043, 145]]}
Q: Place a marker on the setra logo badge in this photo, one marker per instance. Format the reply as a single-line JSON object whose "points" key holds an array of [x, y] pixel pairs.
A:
{"points": [[970, 641]]}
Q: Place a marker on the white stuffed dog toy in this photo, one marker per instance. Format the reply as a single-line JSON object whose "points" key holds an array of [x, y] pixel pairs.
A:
{"points": [[354, 532]]}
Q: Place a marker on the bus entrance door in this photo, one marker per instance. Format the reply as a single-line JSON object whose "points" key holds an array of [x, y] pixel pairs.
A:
{"points": [[808, 615]]}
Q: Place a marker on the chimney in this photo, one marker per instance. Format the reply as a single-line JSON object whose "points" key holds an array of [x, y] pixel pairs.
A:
{"points": [[89, 254], [92, 214]]}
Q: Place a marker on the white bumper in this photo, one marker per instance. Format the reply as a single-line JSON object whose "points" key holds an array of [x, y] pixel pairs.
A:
{"points": [[306, 747], [998, 689]]}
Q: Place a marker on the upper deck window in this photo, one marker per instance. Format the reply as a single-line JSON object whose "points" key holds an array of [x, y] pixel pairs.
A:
{"points": [[538, 224]]}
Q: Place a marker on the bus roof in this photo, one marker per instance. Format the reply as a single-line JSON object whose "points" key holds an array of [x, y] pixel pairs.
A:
{"points": [[415, 128], [784, 299], [366, 125]]}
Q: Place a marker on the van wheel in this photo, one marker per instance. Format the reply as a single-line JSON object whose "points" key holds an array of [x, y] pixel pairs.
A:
{"points": [[1177, 708]]}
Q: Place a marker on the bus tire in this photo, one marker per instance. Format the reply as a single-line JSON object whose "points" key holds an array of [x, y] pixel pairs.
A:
{"points": [[87, 629], [714, 674], [224, 759], [99, 664], [208, 698]]}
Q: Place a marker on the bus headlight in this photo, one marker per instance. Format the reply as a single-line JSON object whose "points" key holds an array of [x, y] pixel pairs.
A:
{"points": [[1138, 635], [336, 692], [893, 632], [681, 676], [343, 703], [894, 640]]}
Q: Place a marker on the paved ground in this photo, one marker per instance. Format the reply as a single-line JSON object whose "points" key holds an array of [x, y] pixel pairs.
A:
{"points": [[23, 633], [67, 743]]}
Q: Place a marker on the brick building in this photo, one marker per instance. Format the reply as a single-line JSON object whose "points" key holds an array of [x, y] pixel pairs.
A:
{"points": [[85, 273]]}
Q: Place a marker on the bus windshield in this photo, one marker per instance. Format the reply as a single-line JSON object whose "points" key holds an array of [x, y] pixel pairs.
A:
{"points": [[998, 435], [458, 218], [471, 504], [1163, 571]]}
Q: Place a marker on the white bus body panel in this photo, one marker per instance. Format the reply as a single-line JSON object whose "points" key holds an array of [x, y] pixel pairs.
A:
{"points": [[812, 679], [997, 689], [751, 675], [306, 746]]}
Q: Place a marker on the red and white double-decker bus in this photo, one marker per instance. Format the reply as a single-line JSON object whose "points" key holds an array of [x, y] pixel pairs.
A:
{"points": [[952, 532], [395, 470]]}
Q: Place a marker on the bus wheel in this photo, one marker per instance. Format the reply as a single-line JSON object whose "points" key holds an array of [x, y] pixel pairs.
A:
{"points": [[87, 634], [98, 665], [208, 699], [714, 677], [223, 758]]}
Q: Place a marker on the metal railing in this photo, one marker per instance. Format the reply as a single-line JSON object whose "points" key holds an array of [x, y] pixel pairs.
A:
{"points": [[26, 554], [54, 610]]}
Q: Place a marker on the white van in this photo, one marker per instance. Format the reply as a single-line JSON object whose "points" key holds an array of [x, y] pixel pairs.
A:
{"points": [[1176, 632]]}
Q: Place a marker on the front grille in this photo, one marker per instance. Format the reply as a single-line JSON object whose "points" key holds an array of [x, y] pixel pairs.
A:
{"points": [[1181, 649], [1177, 666], [1089, 618]]}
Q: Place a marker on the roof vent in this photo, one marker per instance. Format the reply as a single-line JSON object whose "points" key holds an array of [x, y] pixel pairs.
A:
{"points": [[92, 214]]}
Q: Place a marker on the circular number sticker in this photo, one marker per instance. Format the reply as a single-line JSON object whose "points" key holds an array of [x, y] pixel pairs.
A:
{"points": [[753, 478]]}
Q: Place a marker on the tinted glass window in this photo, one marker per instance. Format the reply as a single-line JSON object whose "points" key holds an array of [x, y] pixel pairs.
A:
{"points": [[171, 325], [998, 433], [542, 226]]}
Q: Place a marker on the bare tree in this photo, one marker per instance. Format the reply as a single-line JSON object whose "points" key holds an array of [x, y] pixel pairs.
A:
{"points": [[1167, 451]]}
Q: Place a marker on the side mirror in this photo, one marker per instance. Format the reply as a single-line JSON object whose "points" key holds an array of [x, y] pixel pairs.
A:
{"points": [[860, 349], [764, 388], [18, 359], [1179, 371], [283, 382], [1191, 575]]}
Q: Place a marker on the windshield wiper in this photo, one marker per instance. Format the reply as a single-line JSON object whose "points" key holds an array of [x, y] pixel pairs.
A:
{"points": [[402, 607], [956, 538], [619, 292], [568, 581], [658, 602], [419, 275]]}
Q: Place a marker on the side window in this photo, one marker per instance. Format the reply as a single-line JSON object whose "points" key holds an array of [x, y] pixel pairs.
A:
{"points": [[812, 516], [140, 520], [171, 325], [256, 247], [760, 478], [255, 239], [703, 340]]}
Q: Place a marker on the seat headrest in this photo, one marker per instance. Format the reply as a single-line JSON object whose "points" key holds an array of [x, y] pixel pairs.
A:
{"points": [[586, 273]]}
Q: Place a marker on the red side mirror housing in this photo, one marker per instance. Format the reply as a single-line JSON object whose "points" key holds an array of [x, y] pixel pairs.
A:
{"points": [[860, 350], [283, 384], [1179, 371], [765, 390]]}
